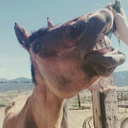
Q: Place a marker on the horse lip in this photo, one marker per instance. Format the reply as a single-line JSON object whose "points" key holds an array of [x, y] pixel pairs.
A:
{"points": [[110, 60]]}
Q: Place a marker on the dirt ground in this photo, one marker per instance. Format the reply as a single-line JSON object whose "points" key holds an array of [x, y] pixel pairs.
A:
{"points": [[1, 116], [75, 117]]}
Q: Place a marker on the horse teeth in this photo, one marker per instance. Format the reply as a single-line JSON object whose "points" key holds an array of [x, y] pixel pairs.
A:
{"points": [[101, 44], [105, 44], [94, 49]]}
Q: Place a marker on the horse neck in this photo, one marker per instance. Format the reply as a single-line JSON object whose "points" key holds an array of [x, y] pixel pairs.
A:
{"points": [[46, 107]]}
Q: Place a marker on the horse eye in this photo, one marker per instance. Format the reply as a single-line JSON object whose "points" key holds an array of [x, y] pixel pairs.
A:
{"points": [[37, 48]]}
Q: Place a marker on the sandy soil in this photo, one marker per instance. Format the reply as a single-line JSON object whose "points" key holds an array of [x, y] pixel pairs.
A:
{"points": [[1, 116], [76, 117]]}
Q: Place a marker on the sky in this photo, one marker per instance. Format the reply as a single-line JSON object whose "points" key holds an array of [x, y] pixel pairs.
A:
{"points": [[32, 15]]}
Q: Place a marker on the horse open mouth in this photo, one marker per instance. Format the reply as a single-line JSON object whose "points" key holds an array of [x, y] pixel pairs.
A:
{"points": [[103, 56], [90, 32]]}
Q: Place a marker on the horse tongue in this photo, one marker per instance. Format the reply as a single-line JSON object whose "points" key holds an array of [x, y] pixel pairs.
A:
{"points": [[104, 50]]}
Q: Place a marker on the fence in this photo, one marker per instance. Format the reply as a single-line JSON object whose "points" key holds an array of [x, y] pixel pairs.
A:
{"points": [[122, 97], [81, 117], [80, 110]]}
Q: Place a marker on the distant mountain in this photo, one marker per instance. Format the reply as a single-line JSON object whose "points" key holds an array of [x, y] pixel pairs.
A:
{"points": [[15, 86], [18, 80], [121, 78], [21, 79], [22, 83], [3, 80]]}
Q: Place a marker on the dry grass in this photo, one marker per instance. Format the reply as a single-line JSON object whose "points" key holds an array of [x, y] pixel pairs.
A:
{"points": [[6, 97]]}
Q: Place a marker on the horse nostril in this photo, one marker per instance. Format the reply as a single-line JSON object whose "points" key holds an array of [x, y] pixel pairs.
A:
{"points": [[108, 14]]}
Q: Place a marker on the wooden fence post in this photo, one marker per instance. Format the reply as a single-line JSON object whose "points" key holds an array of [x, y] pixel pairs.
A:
{"points": [[105, 110], [96, 109], [79, 101]]}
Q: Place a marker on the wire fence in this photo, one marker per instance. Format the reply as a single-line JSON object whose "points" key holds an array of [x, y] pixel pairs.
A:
{"points": [[81, 116], [80, 110], [122, 98]]}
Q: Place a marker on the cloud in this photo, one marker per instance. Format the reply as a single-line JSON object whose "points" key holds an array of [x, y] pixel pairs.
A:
{"points": [[2, 70], [14, 74]]}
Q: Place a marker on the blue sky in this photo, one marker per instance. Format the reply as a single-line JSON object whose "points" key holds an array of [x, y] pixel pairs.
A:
{"points": [[32, 14]]}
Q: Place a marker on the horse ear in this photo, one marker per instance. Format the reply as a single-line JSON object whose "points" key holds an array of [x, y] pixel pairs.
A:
{"points": [[22, 36], [50, 24]]}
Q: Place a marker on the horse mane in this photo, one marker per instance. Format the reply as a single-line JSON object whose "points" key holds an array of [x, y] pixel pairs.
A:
{"points": [[37, 34]]}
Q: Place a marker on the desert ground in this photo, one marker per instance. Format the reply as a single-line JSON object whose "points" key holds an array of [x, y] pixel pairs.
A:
{"points": [[1, 116], [76, 117]]}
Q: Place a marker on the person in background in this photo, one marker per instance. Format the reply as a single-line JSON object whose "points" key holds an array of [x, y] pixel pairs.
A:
{"points": [[121, 24]]}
